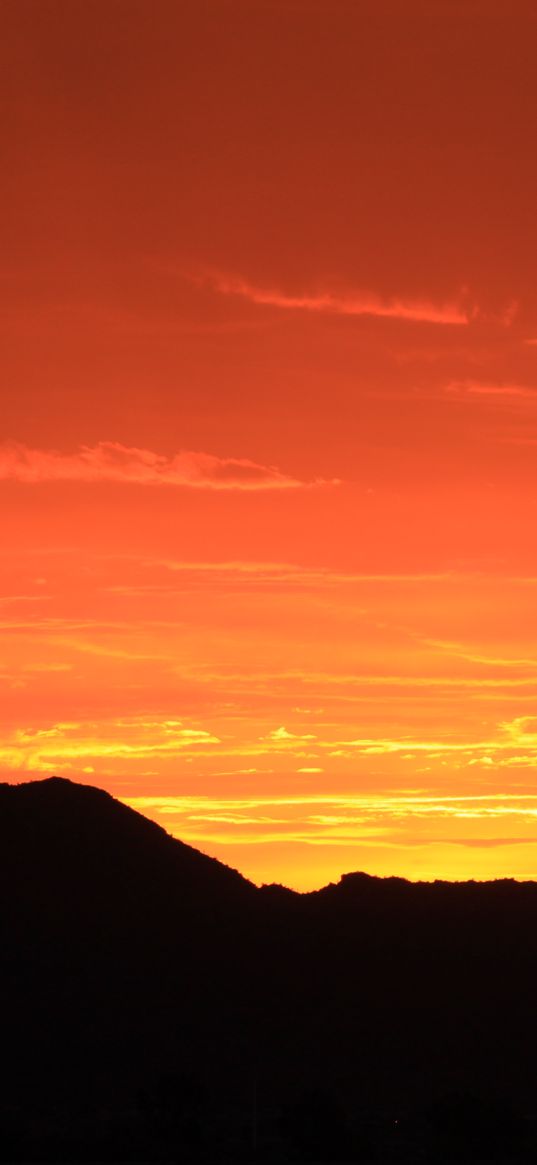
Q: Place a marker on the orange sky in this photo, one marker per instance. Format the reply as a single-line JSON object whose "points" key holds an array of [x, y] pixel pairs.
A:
{"points": [[269, 424]]}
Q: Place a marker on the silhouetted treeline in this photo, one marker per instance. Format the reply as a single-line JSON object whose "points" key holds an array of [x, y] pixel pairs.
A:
{"points": [[157, 1006]]}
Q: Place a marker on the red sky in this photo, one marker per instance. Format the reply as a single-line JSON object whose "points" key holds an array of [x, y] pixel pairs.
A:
{"points": [[269, 424]]}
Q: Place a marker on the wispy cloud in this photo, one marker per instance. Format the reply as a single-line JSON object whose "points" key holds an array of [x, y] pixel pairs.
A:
{"points": [[288, 572], [474, 388], [70, 745], [347, 303], [280, 737], [364, 820], [460, 651], [446, 804], [110, 461]]}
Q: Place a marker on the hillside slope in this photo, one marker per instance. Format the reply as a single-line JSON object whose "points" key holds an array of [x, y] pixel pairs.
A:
{"points": [[147, 987]]}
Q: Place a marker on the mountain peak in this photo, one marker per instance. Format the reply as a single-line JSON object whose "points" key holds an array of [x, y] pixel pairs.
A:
{"points": [[71, 827]]}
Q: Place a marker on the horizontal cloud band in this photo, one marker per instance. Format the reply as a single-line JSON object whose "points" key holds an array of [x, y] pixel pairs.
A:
{"points": [[109, 461], [346, 304]]}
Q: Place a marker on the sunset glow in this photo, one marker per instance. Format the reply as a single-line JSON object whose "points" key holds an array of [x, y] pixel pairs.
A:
{"points": [[269, 425]]}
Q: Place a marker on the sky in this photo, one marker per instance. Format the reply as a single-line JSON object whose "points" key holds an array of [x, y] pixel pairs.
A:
{"points": [[268, 426]]}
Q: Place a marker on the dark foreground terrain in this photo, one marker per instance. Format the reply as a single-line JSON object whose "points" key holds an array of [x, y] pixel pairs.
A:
{"points": [[155, 1005]]}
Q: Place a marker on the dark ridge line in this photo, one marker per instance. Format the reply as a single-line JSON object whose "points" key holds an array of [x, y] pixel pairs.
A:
{"points": [[352, 878]]}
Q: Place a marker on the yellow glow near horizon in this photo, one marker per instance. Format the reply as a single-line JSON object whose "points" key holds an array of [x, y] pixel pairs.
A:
{"points": [[267, 460]]}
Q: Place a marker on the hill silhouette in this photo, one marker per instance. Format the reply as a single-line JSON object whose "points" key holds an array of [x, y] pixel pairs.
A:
{"points": [[157, 1005]]}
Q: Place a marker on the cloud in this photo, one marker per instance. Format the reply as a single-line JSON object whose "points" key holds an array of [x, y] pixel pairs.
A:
{"points": [[358, 819], [73, 746], [109, 461], [523, 729], [350, 303], [281, 736], [460, 651], [293, 572], [485, 842], [475, 388]]}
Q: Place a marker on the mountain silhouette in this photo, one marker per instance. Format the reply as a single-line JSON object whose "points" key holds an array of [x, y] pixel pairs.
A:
{"points": [[156, 1005]]}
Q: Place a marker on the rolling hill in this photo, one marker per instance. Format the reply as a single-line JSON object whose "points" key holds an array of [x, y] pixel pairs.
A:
{"points": [[156, 1004]]}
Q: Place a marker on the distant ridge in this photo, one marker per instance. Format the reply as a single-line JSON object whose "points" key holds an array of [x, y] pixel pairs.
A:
{"points": [[59, 806], [147, 988], [72, 815]]}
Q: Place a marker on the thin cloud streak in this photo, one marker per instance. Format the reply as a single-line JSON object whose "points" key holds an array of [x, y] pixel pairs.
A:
{"points": [[346, 304], [383, 821], [110, 461], [460, 389], [70, 745], [287, 572]]}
